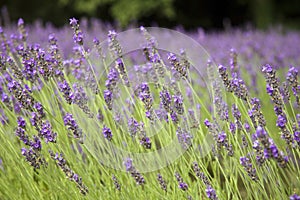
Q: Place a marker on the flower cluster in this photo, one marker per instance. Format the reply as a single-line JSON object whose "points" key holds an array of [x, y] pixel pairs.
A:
{"points": [[116, 182], [270, 149], [181, 184], [107, 133], [34, 158], [113, 44], [162, 182], [255, 113], [78, 35], [70, 174], [47, 133], [32, 154], [80, 98], [66, 90], [292, 79], [246, 163], [220, 137], [144, 140], [165, 99], [220, 105], [21, 94], [22, 30], [72, 126], [122, 71], [210, 192], [235, 85], [177, 65], [138, 177], [184, 138]]}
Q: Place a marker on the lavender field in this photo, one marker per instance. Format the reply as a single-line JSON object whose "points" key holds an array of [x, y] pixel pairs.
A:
{"points": [[90, 112]]}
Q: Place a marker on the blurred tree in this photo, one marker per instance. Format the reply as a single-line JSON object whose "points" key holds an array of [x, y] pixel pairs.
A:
{"points": [[191, 14], [124, 11]]}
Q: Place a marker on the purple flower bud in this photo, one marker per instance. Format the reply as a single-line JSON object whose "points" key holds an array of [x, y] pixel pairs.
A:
{"points": [[128, 164], [146, 142], [267, 68], [107, 133], [232, 127], [21, 122], [207, 123], [71, 125], [295, 197], [178, 104], [260, 132], [66, 90], [247, 127], [73, 22], [20, 22], [269, 89], [211, 193], [222, 137], [281, 121], [183, 186], [36, 143]]}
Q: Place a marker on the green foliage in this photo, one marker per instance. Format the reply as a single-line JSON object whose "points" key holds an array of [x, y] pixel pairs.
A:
{"points": [[124, 11]]}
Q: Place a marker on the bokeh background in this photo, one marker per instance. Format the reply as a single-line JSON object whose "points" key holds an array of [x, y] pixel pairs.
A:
{"points": [[190, 14]]}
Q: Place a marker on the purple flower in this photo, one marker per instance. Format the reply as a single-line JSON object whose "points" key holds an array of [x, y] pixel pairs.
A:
{"points": [[297, 136], [222, 137], [72, 126], [128, 164], [34, 158], [145, 96], [235, 112], [40, 110], [274, 150], [232, 127], [211, 193], [112, 79], [116, 182], [36, 143], [247, 127], [5, 98], [281, 121], [269, 89], [35, 120], [30, 69], [161, 182], [295, 197], [107, 133], [207, 123], [78, 38], [174, 117], [108, 98], [112, 34], [20, 132], [133, 126], [184, 138], [20, 22], [21, 122], [260, 133], [66, 90], [165, 98], [178, 104], [73, 22], [267, 68], [244, 161], [47, 133], [183, 186], [146, 142]]}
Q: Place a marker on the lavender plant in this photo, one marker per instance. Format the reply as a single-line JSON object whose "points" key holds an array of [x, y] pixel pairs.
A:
{"points": [[129, 122]]}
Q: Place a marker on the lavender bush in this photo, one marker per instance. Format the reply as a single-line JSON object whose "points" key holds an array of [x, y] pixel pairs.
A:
{"points": [[80, 118]]}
